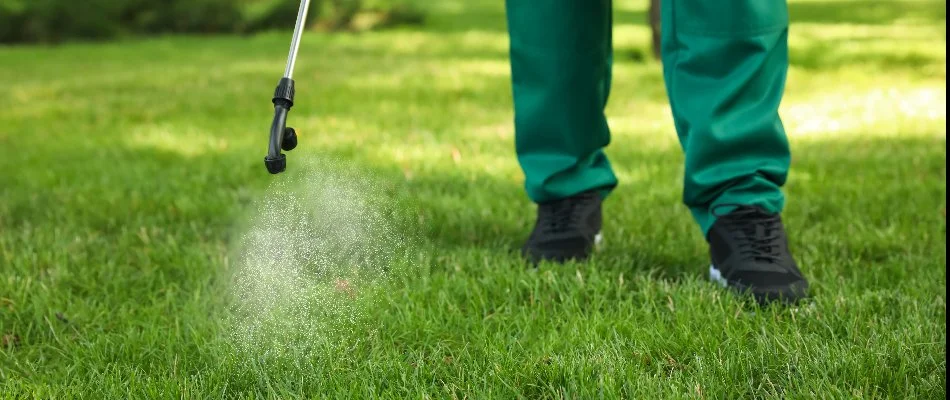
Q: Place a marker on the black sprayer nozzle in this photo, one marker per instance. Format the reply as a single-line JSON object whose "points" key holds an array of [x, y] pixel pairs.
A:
{"points": [[276, 165], [279, 132]]}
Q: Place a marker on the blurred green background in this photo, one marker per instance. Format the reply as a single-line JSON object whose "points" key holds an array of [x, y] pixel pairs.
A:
{"points": [[57, 20]]}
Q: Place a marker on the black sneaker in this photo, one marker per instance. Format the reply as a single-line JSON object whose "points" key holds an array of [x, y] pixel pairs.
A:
{"points": [[566, 229], [750, 254]]}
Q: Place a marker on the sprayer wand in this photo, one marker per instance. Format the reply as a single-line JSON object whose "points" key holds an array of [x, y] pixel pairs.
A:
{"points": [[282, 136]]}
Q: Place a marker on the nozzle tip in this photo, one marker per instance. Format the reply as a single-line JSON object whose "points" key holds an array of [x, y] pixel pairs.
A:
{"points": [[276, 165]]}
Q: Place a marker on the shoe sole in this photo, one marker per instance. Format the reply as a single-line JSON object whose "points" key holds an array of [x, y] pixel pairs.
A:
{"points": [[789, 295], [598, 242]]}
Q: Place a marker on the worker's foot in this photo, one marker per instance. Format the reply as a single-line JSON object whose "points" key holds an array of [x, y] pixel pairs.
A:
{"points": [[750, 254], [565, 229]]}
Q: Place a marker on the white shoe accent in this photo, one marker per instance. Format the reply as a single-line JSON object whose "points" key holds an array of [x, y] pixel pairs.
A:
{"points": [[598, 240], [716, 276]]}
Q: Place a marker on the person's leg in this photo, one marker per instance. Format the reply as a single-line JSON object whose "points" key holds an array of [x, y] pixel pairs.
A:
{"points": [[561, 68], [725, 64], [561, 54]]}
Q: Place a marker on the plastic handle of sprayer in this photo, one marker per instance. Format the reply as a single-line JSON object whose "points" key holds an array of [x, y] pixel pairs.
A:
{"points": [[283, 102]]}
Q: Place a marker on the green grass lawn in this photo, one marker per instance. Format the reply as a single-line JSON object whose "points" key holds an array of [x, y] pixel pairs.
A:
{"points": [[146, 253]]}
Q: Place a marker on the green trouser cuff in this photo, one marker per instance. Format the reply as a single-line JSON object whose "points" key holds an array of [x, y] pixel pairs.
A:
{"points": [[561, 69], [725, 65]]}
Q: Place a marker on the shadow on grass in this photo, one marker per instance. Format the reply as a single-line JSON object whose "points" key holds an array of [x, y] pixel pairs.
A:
{"points": [[828, 193], [493, 19], [867, 12], [834, 54], [848, 199], [878, 47]]}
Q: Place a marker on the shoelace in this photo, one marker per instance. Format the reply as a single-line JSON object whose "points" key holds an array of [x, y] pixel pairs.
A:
{"points": [[760, 239], [561, 215]]}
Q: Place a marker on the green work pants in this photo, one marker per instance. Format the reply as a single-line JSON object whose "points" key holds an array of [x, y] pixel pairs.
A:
{"points": [[724, 65]]}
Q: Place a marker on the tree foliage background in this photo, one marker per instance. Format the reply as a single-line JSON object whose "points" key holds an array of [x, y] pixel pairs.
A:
{"points": [[50, 21]]}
